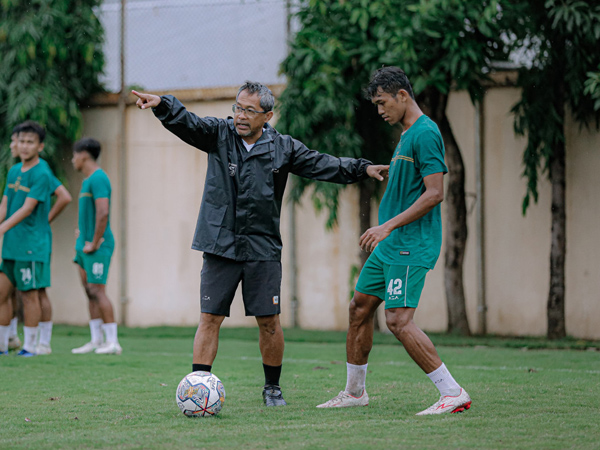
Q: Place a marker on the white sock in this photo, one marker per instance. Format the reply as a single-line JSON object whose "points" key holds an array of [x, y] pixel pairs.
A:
{"points": [[110, 331], [13, 327], [444, 381], [96, 331], [30, 338], [355, 379], [45, 333], [4, 332]]}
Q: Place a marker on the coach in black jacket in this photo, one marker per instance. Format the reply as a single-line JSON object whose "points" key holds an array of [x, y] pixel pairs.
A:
{"points": [[238, 224]]}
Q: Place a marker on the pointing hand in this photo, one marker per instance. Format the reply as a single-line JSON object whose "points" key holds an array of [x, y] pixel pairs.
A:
{"points": [[146, 100]]}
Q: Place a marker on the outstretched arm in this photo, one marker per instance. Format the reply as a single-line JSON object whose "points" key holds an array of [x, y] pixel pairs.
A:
{"points": [[201, 133], [324, 167], [63, 198], [433, 195]]}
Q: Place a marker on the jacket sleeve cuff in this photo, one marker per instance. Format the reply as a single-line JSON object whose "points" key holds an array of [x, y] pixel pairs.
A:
{"points": [[362, 169], [164, 107]]}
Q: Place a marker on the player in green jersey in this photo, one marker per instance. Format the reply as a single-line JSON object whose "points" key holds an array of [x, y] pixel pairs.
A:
{"points": [[26, 246], [62, 199], [94, 247], [405, 246]]}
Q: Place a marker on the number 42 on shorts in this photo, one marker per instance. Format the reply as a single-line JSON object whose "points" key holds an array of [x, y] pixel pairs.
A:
{"points": [[395, 287]]}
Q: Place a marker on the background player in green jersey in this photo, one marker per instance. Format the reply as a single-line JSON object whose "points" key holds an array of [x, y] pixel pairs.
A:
{"points": [[63, 198], [26, 244], [94, 247], [404, 247]]}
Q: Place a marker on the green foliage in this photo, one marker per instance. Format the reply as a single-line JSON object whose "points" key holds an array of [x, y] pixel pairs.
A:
{"points": [[439, 43], [51, 57], [562, 37]]}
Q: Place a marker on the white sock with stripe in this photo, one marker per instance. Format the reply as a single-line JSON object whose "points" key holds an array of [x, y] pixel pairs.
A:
{"points": [[356, 377], [444, 381]]}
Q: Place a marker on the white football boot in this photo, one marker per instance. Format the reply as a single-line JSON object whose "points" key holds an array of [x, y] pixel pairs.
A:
{"points": [[344, 400], [86, 348], [109, 348], [43, 349], [449, 404]]}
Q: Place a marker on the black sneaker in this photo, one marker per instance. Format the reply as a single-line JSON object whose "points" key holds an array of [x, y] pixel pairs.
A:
{"points": [[272, 395]]}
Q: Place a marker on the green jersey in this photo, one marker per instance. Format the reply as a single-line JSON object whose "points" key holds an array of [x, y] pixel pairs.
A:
{"points": [[96, 186], [419, 153], [29, 239]]}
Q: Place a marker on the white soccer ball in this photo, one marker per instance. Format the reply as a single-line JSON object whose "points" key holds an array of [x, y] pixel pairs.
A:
{"points": [[200, 394]]}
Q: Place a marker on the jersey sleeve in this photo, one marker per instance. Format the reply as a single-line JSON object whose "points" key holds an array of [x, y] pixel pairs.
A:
{"points": [[430, 154], [54, 183], [100, 187], [40, 187]]}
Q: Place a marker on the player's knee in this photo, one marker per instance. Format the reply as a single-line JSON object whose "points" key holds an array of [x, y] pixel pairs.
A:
{"points": [[396, 324], [92, 291], [358, 310]]}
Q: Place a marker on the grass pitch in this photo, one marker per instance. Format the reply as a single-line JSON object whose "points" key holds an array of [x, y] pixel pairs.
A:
{"points": [[533, 399]]}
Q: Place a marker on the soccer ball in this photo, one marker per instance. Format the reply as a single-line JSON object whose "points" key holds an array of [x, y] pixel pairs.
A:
{"points": [[200, 394]]}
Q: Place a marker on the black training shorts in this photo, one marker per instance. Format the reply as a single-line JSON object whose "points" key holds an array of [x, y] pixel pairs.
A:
{"points": [[261, 285]]}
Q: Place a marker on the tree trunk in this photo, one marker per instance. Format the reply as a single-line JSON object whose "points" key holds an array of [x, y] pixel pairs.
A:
{"points": [[456, 211], [556, 295]]}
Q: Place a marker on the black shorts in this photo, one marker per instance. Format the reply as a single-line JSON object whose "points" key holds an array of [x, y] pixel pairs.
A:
{"points": [[261, 285]]}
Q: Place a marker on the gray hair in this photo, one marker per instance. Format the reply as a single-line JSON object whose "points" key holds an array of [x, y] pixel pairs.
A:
{"points": [[267, 101]]}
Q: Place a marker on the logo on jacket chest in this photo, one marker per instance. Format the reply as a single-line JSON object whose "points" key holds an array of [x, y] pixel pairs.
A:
{"points": [[232, 169]]}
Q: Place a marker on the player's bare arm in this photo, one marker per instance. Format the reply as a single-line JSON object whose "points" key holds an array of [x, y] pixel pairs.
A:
{"points": [[146, 101], [378, 172], [102, 208], [20, 215], [433, 195], [63, 198], [3, 208]]}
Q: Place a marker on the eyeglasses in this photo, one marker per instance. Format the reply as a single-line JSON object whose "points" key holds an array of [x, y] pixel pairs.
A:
{"points": [[250, 113]]}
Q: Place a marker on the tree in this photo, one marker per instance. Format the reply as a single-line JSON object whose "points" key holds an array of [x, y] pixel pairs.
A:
{"points": [[439, 43], [562, 39], [51, 58]]}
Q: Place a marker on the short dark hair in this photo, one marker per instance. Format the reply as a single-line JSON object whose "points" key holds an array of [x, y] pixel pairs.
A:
{"points": [[30, 126], [267, 100], [90, 145], [390, 79]]}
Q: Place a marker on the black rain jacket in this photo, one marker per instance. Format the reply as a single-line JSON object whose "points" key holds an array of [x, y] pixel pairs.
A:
{"points": [[241, 206]]}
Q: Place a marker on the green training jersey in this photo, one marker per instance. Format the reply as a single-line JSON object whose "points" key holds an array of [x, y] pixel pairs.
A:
{"points": [[29, 239], [419, 153], [96, 186]]}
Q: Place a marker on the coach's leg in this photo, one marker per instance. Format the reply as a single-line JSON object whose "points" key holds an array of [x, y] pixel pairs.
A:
{"points": [[270, 340], [271, 345], [206, 341]]}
